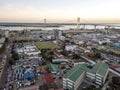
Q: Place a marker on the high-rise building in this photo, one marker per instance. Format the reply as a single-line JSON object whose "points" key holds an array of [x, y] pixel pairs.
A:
{"points": [[6, 33], [78, 23]]}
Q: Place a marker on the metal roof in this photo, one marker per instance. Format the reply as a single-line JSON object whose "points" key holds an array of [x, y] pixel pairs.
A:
{"points": [[99, 68], [53, 67]]}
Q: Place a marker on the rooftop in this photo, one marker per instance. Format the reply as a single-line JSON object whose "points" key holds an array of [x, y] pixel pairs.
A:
{"points": [[59, 60], [53, 67], [100, 68], [74, 73], [103, 69], [96, 67]]}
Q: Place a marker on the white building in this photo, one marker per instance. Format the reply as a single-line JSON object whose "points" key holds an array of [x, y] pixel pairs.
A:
{"points": [[70, 47], [6, 33], [105, 40], [29, 51]]}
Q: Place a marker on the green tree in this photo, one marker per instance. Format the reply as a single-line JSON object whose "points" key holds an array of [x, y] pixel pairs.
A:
{"points": [[11, 62], [15, 56], [76, 56]]}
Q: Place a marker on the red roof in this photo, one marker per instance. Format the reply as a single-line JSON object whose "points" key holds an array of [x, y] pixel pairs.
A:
{"points": [[60, 89], [48, 78], [114, 66], [57, 53]]}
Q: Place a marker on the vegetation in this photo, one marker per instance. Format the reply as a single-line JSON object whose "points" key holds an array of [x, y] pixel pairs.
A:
{"points": [[115, 84], [47, 54], [64, 52], [96, 56], [11, 61], [46, 45], [76, 56], [104, 51], [15, 56]]}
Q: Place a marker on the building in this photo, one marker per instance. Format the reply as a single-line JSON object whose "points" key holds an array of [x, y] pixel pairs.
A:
{"points": [[28, 51], [70, 47], [57, 33], [104, 41], [96, 73], [73, 78], [53, 68], [59, 60], [58, 54], [62, 38], [2, 41], [48, 77], [116, 45], [6, 33]]}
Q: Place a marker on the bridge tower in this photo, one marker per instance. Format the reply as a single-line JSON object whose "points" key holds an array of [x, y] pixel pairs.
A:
{"points": [[45, 20], [78, 23]]}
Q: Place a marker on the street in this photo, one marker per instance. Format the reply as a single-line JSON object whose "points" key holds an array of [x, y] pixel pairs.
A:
{"points": [[7, 53]]}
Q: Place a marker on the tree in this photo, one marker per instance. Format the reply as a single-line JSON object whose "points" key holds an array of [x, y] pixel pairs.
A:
{"points": [[15, 56], [116, 80], [96, 56], [115, 84], [11, 62], [76, 56], [64, 52]]}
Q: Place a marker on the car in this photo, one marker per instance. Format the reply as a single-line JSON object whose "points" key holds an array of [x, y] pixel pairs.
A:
{"points": [[27, 83]]}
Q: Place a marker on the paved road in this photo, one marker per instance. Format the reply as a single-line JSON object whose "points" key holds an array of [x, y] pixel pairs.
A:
{"points": [[6, 52]]}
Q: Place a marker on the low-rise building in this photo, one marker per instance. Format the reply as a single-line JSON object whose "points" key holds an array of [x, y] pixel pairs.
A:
{"points": [[53, 68], [28, 51], [60, 60], [70, 47]]}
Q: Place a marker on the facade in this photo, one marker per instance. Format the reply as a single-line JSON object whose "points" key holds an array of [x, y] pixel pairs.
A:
{"points": [[97, 73], [73, 78]]}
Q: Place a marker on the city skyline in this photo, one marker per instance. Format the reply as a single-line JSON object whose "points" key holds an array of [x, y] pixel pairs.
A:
{"points": [[98, 11]]}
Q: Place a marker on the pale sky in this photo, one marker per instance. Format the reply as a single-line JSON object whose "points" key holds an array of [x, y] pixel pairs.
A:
{"points": [[60, 10]]}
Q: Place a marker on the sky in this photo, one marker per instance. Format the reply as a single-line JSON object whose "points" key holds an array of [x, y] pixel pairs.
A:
{"points": [[98, 11]]}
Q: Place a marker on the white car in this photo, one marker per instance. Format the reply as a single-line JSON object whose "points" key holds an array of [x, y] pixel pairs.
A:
{"points": [[27, 83]]}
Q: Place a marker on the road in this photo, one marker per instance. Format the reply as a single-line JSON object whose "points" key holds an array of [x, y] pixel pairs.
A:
{"points": [[7, 53]]}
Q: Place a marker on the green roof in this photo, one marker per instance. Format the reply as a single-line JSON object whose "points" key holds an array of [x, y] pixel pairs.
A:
{"points": [[100, 68], [96, 67], [59, 60], [84, 67], [53, 67], [103, 69], [74, 73], [72, 70]]}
